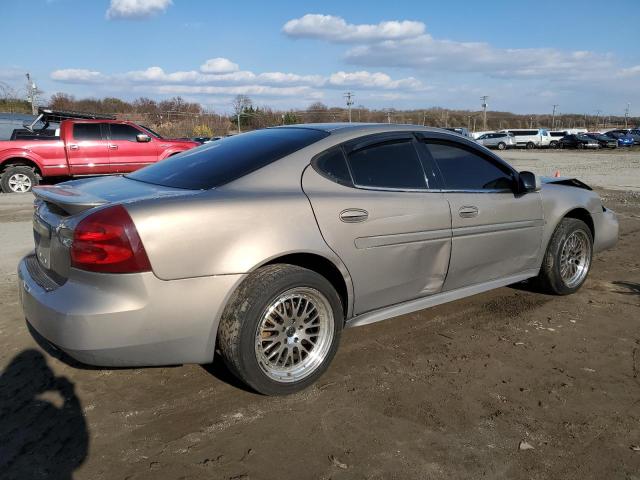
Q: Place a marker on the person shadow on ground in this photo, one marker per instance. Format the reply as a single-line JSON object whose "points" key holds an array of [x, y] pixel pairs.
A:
{"points": [[43, 432]]}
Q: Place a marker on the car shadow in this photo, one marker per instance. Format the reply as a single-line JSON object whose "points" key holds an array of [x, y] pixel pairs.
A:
{"points": [[219, 370], [631, 288], [43, 432]]}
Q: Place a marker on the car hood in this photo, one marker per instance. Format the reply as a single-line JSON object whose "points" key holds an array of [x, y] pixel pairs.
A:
{"points": [[567, 181]]}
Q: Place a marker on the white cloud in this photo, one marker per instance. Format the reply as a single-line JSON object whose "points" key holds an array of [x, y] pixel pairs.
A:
{"points": [[336, 29], [375, 80], [136, 9], [629, 72], [77, 75], [219, 65]]}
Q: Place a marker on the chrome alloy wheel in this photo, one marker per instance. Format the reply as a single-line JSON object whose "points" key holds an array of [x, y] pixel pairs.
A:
{"points": [[575, 258], [19, 183], [294, 335]]}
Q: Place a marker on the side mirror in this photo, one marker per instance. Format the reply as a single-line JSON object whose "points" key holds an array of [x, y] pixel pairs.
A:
{"points": [[529, 182], [142, 138]]}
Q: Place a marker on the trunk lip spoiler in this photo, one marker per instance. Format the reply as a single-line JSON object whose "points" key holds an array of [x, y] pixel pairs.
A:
{"points": [[70, 200]]}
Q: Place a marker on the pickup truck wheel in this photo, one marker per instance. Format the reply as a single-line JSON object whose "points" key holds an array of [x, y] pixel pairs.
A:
{"points": [[567, 260], [18, 179], [281, 329]]}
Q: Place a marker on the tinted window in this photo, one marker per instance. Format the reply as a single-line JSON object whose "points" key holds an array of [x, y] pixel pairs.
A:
{"points": [[464, 170], [87, 131], [219, 162], [120, 131], [333, 165], [521, 133], [392, 164]]}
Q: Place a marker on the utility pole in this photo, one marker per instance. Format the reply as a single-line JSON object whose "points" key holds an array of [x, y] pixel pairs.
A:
{"points": [[484, 111], [553, 116], [238, 114], [598, 112], [626, 115], [388, 116], [32, 95], [349, 96]]}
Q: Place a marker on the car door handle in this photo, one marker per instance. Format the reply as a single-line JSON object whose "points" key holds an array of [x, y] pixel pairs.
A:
{"points": [[468, 211], [353, 215], [73, 146], [113, 147]]}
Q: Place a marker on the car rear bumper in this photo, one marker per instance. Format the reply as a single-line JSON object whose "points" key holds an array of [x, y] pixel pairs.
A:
{"points": [[128, 319], [606, 230]]}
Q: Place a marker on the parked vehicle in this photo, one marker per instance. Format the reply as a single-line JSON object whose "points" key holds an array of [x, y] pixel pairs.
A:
{"points": [[501, 141], [267, 244], [86, 145], [578, 141], [530, 138], [633, 132], [623, 139], [476, 135], [200, 140], [603, 140], [460, 131], [556, 135]]}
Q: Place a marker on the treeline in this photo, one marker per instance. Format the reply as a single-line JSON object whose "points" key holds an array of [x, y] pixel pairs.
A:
{"points": [[179, 118]]}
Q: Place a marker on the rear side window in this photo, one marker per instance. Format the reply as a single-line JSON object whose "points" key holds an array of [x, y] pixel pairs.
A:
{"points": [[220, 162], [333, 165], [120, 131], [463, 169], [86, 131], [393, 164]]}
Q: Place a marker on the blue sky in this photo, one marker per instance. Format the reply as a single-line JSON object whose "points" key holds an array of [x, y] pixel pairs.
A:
{"points": [[526, 56]]}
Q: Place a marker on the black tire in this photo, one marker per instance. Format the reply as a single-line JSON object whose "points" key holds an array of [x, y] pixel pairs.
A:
{"points": [[580, 146], [12, 172], [554, 144], [530, 146], [561, 145], [245, 311], [550, 279], [502, 146]]}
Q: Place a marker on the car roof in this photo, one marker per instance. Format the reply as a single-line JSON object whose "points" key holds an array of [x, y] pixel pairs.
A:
{"points": [[344, 127]]}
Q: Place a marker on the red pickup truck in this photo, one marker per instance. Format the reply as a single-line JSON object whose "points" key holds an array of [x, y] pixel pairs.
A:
{"points": [[86, 145]]}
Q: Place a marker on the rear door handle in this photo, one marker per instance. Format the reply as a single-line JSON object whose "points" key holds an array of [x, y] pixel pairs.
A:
{"points": [[353, 215], [73, 146], [468, 211], [113, 147]]}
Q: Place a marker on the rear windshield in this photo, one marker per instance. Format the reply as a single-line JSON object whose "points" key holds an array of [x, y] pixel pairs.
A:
{"points": [[220, 162]]}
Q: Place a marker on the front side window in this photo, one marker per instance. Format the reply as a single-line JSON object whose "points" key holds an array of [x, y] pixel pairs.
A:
{"points": [[393, 164], [87, 131], [120, 131], [463, 169]]}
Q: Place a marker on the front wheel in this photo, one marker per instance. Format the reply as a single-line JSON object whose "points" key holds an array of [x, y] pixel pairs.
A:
{"points": [[281, 329], [502, 146], [568, 257], [18, 179]]}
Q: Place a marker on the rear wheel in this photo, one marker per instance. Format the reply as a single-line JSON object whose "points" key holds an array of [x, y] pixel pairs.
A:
{"points": [[18, 179], [580, 146], [530, 146], [553, 144], [281, 329], [568, 257], [502, 146]]}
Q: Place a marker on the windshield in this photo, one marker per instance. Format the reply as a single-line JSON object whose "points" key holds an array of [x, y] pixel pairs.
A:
{"points": [[155, 134], [216, 163]]}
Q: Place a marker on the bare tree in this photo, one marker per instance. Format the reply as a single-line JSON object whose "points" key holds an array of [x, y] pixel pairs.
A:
{"points": [[241, 103], [317, 112]]}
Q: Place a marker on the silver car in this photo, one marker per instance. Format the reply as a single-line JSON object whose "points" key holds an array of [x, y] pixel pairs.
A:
{"points": [[265, 245], [500, 140]]}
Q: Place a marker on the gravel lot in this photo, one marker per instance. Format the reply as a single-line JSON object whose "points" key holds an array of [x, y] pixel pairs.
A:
{"points": [[450, 392]]}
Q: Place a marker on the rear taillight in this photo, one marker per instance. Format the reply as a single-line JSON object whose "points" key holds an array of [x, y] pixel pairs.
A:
{"points": [[107, 241]]}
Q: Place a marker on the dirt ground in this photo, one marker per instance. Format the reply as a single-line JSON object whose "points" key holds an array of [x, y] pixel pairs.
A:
{"points": [[446, 393]]}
